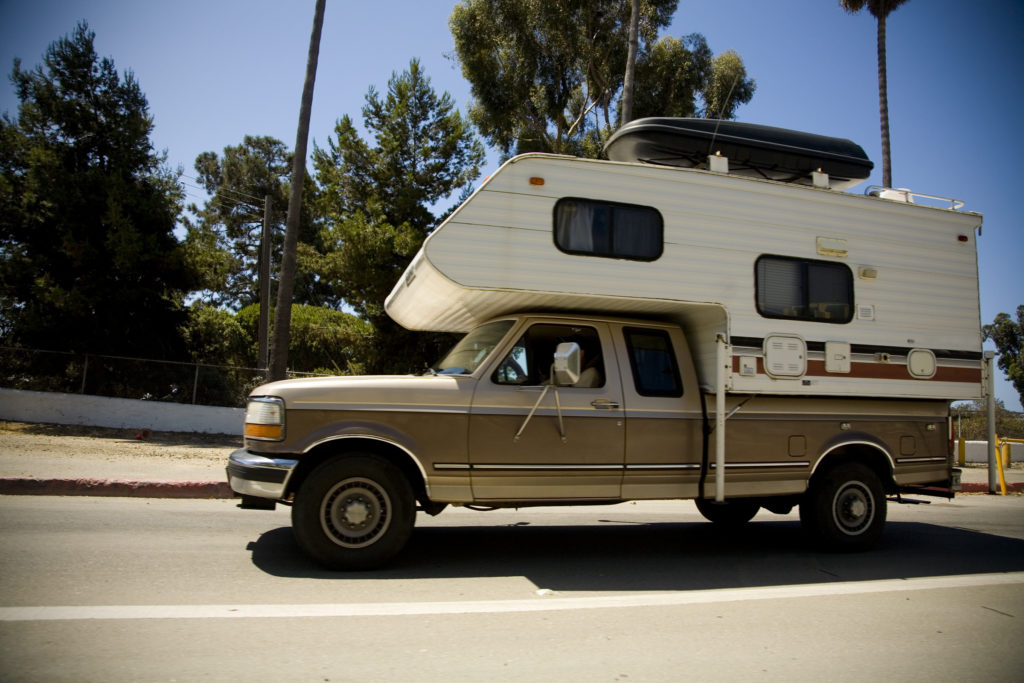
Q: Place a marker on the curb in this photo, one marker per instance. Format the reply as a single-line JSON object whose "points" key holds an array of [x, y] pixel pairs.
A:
{"points": [[121, 488], [981, 487]]}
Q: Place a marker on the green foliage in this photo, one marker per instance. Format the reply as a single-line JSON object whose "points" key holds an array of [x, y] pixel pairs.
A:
{"points": [[878, 8], [88, 257], [215, 336], [671, 77], [1008, 336], [223, 243], [970, 421], [546, 75], [322, 340], [376, 202]]}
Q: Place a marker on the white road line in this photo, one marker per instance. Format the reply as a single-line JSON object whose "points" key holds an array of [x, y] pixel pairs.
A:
{"points": [[545, 603]]}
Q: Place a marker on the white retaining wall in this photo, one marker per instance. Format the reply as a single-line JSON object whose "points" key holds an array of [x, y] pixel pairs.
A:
{"points": [[977, 451], [120, 413]]}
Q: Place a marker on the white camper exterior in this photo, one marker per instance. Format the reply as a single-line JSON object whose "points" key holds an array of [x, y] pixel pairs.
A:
{"points": [[910, 329]]}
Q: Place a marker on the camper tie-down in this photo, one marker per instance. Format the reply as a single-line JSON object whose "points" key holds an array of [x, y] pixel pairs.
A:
{"points": [[704, 316]]}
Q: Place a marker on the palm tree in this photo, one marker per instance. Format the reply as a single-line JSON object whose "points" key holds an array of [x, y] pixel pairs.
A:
{"points": [[286, 282], [880, 10]]}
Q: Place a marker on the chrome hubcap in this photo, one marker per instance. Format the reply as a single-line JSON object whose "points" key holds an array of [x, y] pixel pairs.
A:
{"points": [[355, 513]]}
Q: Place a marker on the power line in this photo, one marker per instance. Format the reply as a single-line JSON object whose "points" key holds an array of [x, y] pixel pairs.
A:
{"points": [[259, 200]]}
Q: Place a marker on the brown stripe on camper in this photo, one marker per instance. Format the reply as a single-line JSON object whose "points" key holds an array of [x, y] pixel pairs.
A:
{"points": [[816, 368]]}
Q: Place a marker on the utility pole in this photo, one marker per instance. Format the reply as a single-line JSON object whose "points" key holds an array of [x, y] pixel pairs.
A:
{"points": [[263, 361]]}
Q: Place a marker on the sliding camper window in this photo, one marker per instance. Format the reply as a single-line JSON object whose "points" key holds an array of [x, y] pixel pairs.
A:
{"points": [[609, 229], [804, 289]]}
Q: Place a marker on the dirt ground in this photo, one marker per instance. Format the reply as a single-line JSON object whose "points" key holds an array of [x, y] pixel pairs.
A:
{"points": [[68, 451]]}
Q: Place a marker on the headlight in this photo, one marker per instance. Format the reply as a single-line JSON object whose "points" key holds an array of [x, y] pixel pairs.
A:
{"points": [[264, 418]]}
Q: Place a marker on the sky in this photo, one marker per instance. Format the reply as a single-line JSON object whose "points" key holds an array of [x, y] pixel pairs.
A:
{"points": [[215, 71]]}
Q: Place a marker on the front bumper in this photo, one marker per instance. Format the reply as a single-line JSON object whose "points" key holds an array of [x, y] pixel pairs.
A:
{"points": [[250, 474]]}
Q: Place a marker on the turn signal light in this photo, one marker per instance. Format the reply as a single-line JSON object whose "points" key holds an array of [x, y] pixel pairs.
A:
{"points": [[255, 431]]}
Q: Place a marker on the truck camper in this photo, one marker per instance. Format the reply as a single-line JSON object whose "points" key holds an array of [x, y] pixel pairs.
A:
{"points": [[705, 315]]}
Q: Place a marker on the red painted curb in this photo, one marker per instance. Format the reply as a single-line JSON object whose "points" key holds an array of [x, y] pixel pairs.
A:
{"points": [[122, 488], [981, 487]]}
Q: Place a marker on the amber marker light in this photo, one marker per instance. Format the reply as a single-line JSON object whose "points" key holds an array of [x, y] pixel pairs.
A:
{"points": [[536, 181]]}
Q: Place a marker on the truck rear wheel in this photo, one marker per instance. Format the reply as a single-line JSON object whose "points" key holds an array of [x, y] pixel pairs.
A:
{"points": [[730, 513], [354, 512], [844, 510]]}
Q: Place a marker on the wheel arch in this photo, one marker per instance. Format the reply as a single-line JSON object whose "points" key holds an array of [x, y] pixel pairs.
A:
{"points": [[338, 446], [867, 451]]}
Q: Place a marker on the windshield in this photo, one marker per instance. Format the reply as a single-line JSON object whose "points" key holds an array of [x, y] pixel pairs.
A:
{"points": [[473, 349]]}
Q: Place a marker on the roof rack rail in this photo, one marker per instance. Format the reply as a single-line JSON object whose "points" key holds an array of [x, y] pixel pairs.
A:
{"points": [[901, 194]]}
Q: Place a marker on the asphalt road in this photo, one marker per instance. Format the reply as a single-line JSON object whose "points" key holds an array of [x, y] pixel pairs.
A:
{"points": [[161, 590]]}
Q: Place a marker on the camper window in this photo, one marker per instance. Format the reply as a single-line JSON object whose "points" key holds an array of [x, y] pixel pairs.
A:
{"points": [[609, 229], [804, 289]]}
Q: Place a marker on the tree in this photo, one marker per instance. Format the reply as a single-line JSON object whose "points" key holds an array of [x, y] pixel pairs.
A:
{"points": [[728, 86], [223, 242], [377, 201], [322, 340], [629, 77], [880, 10], [1008, 336], [289, 258], [673, 74], [546, 75], [88, 257]]}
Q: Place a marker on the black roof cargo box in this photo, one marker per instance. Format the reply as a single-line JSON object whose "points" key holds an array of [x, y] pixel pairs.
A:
{"points": [[752, 149]]}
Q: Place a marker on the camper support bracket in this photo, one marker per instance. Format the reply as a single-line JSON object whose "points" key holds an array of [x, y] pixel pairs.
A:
{"points": [[724, 367]]}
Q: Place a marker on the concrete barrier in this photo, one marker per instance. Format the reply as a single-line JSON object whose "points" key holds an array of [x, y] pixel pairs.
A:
{"points": [[119, 413], [977, 451]]}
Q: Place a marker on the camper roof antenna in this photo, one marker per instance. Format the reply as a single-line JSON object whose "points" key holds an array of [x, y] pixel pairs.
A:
{"points": [[728, 97]]}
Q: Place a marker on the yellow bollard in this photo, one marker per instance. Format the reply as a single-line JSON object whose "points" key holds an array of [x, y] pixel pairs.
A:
{"points": [[1002, 455], [961, 451]]}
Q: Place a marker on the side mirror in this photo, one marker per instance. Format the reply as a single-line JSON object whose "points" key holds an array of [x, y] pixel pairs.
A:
{"points": [[566, 365]]}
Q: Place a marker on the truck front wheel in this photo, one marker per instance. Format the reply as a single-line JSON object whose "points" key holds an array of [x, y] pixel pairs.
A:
{"points": [[354, 512], [844, 510]]}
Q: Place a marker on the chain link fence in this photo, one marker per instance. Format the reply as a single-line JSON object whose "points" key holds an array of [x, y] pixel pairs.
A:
{"points": [[125, 377]]}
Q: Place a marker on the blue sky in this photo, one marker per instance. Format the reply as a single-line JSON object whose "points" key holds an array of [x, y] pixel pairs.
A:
{"points": [[215, 71]]}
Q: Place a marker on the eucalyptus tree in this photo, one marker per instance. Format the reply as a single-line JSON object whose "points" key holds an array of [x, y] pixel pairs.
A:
{"points": [[538, 68], [549, 75]]}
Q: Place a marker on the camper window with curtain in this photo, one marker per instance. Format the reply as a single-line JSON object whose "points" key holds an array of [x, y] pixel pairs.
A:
{"points": [[804, 289], [608, 229]]}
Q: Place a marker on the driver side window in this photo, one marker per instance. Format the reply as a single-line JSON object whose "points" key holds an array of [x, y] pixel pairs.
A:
{"points": [[529, 361]]}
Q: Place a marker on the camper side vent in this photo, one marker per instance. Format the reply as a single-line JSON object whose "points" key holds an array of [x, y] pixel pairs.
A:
{"points": [[785, 356]]}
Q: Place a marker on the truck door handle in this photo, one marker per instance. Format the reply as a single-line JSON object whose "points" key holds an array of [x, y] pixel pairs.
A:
{"points": [[605, 404]]}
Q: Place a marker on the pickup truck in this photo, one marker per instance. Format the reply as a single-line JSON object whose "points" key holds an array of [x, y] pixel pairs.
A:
{"points": [[535, 409]]}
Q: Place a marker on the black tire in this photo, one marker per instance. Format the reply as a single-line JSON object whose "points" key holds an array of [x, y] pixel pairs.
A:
{"points": [[354, 512], [731, 513], [845, 509]]}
